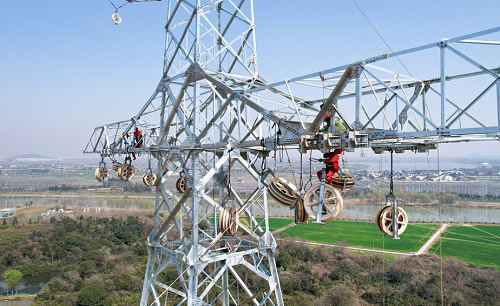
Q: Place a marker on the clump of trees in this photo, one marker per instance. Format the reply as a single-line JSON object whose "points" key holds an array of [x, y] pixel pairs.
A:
{"points": [[12, 280], [103, 261]]}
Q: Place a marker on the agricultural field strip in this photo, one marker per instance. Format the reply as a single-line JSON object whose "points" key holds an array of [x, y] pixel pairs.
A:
{"points": [[452, 231], [475, 238], [361, 234], [486, 255], [34, 195], [463, 240]]}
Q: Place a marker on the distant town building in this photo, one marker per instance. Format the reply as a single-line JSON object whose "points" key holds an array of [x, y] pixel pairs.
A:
{"points": [[7, 212]]}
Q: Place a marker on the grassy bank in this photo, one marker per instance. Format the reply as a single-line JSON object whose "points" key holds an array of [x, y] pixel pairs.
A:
{"points": [[363, 234], [18, 297], [479, 244]]}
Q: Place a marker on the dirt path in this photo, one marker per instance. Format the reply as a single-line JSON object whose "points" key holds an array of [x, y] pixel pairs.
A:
{"points": [[284, 228], [431, 241], [32, 209]]}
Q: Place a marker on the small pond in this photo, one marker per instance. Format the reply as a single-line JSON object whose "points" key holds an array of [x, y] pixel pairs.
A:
{"points": [[32, 285]]}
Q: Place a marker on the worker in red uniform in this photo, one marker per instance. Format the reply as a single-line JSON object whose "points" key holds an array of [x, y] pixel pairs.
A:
{"points": [[328, 123], [137, 138], [331, 161]]}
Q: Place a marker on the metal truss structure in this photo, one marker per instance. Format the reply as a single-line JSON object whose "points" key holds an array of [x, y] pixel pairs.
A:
{"points": [[212, 109]]}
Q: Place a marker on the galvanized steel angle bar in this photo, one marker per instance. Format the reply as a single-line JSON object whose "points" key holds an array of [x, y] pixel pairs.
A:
{"points": [[216, 168], [257, 267], [245, 19], [226, 48], [457, 108], [244, 207], [418, 90], [228, 135], [173, 212], [242, 48], [155, 295], [295, 105], [169, 288], [473, 102], [468, 59], [243, 285], [176, 220], [228, 45], [215, 117], [403, 100], [212, 282], [169, 64]]}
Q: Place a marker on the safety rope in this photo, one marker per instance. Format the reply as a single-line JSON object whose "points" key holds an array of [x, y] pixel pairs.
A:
{"points": [[441, 225], [309, 181], [291, 167], [229, 177], [301, 179]]}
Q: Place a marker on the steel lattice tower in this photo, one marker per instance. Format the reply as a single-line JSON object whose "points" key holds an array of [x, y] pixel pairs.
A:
{"points": [[212, 112]]}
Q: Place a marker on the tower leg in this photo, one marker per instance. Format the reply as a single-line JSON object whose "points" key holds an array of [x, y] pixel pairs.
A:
{"points": [[275, 278], [225, 289], [146, 288]]}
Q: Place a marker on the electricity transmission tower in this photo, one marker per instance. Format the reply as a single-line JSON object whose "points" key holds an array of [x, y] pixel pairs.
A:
{"points": [[212, 111]]}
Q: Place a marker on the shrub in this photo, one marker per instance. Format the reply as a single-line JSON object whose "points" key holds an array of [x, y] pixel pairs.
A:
{"points": [[123, 281], [87, 267], [93, 295]]}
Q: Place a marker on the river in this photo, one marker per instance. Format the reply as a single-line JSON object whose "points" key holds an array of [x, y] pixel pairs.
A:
{"points": [[416, 213]]}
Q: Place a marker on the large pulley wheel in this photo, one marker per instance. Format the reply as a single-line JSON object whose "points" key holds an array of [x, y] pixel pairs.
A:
{"points": [[302, 215], [116, 166], [343, 181], [283, 192], [386, 220], [332, 202], [126, 172], [377, 217], [180, 184], [101, 174], [149, 179], [228, 221]]}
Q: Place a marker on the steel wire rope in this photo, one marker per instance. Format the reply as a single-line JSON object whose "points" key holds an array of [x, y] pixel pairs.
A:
{"points": [[290, 163], [309, 181], [383, 271], [117, 8], [381, 37], [301, 179]]}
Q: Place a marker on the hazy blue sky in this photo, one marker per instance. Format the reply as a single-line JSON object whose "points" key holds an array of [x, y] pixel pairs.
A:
{"points": [[66, 68]]}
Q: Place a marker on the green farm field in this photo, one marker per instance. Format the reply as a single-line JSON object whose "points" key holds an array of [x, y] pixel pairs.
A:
{"points": [[479, 244], [363, 234], [276, 223]]}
